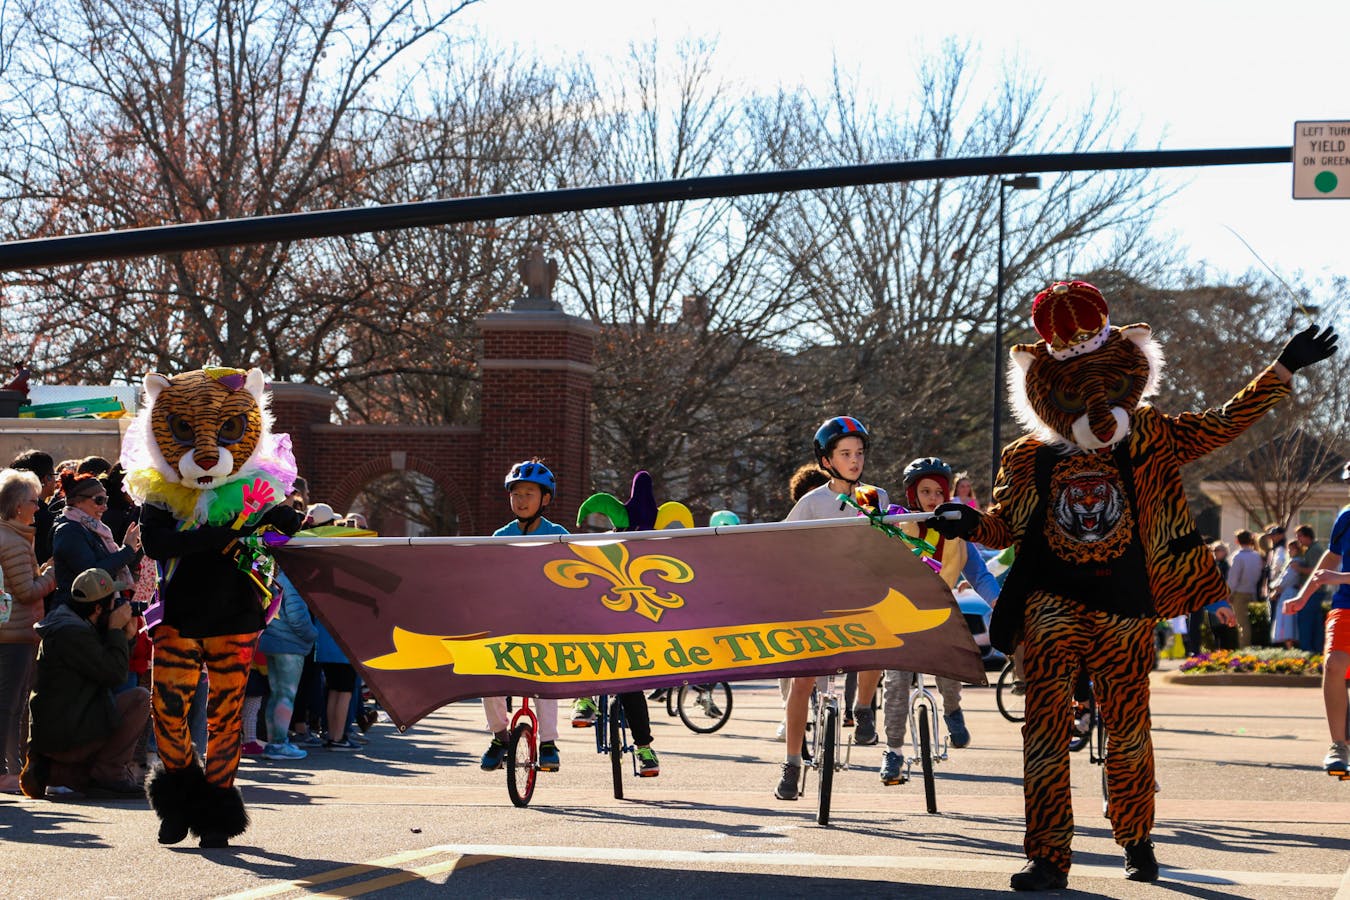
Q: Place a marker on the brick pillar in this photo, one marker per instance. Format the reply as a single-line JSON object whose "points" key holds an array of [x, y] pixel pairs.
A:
{"points": [[538, 370], [295, 407]]}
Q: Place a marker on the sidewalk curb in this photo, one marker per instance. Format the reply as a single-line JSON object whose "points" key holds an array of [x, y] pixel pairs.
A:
{"points": [[1242, 679]]}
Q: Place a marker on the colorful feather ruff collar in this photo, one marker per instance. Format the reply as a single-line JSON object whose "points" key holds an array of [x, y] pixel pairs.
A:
{"points": [[262, 483]]}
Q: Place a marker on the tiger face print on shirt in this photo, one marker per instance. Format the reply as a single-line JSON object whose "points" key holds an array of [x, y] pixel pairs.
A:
{"points": [[1090, 519]]}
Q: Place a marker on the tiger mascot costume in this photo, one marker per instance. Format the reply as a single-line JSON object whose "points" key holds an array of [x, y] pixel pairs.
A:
{"points": [[203, 463], [1092, 500]]}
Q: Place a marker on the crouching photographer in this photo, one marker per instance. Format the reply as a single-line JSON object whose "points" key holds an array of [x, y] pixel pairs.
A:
{"points": [[83, 736]]}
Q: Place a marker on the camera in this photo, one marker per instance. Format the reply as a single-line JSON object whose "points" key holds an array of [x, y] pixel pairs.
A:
{"points": [[138, 607]]}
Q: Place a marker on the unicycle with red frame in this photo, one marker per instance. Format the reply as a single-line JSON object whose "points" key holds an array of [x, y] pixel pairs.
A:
{"points": [[522, 754]]}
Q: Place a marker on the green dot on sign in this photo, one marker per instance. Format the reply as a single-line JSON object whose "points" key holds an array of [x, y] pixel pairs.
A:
{"points": [[1325, 182]]}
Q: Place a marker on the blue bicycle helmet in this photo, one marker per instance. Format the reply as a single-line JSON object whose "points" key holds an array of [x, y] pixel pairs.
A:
{"points": [[534, 472], [832, 430], [724, 517]]}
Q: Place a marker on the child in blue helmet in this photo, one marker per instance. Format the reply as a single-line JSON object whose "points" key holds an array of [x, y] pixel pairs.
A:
{"points": [[839, 448], [531, 486]]}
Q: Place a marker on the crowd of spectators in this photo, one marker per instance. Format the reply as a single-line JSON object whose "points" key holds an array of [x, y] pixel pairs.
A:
{"points": [[75, 659], [1264, 571]]}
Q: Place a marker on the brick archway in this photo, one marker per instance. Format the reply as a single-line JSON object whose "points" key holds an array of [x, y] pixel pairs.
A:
{"points": [[350, 486]]}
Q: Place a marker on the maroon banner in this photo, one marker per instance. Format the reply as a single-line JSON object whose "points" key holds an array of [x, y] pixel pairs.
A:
{"points": [[430, 622]]}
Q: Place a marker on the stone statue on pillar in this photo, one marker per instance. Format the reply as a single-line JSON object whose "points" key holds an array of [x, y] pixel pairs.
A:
{"points": [[539, 275]]}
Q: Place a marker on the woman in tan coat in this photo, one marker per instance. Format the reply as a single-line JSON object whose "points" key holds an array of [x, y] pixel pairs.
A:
{"points": [[19, 493]]}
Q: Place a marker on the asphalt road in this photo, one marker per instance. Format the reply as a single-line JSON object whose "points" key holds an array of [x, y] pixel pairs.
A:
{"points": [[1244, 811]]}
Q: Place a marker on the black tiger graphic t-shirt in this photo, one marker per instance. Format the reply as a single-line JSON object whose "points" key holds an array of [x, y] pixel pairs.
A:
{"points": [[1092, 538]]}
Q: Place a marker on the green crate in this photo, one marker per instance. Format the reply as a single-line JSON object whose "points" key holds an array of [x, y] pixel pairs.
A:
{"points": [[72, 409]]}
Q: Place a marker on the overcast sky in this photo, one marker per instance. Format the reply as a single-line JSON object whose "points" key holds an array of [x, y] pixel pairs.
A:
{"points": [[1189, 74]]}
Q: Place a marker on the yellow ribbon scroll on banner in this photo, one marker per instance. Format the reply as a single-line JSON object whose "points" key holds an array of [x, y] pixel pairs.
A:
{"points": [[588, 657]]}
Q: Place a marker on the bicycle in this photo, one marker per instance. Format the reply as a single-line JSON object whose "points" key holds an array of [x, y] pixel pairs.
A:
{"points": [[1010, 693], [703, 708], [611, 737], [522, 754], [1093, 737], [927, 739], [826, 737]]}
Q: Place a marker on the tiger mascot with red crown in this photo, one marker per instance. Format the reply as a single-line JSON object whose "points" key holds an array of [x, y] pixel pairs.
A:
{"points": [[204, 464], [1091, 498]]}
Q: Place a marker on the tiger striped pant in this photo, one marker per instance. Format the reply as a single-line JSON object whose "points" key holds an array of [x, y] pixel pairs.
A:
{"points": [[177, 664], [1060, 638]]}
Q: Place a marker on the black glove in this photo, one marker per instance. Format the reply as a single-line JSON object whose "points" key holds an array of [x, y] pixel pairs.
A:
{"points": [[953, 528], [284, 518], [1307, 347]]}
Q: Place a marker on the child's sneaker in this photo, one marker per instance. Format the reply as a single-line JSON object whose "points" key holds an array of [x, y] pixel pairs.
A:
{"points": [[648, 766], [790, 785], [252, 748], [892, 768], [957, 732], [583, 713], [345, 744], [548, 757], [492, 757], [865, 731], [1337, 761], [309, 739], [283, 751]]}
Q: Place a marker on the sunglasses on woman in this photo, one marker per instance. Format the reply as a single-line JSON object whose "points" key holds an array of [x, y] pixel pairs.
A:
{"points": [[99, 499]]}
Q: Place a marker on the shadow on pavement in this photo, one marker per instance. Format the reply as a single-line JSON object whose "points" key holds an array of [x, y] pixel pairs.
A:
{"points": [[46, 822]]}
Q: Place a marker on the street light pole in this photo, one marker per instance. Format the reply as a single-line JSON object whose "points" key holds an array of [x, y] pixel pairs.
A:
{"points": [[1020, 183]]}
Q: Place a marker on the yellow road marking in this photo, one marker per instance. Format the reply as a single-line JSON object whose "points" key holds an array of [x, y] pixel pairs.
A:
{"points": [[309, 881], [466, 855], [394, 879]]}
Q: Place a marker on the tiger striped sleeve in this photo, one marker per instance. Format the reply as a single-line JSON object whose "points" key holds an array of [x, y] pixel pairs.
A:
{"points": [[1192, 435], [1014, 497]]}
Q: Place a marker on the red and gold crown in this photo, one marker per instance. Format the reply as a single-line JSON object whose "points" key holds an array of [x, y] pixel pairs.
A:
{"points": [[1072, 318]]}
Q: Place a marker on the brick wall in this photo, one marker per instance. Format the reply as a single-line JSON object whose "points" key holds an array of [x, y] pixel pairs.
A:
{"points": [[535, 400]]}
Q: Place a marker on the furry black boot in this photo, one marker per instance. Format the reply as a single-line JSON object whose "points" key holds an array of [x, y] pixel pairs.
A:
{"points": [[173, 795], [218, 815]]}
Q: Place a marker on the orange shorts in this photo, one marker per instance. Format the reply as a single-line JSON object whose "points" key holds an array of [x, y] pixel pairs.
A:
{"points": [[1338, 631]]}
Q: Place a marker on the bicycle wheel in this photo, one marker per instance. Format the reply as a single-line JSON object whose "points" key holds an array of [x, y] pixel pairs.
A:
{"points": [[672, 708], [827, 751], [1010, 695], [704, 708], [616, 747], [522, 757], [1080, 739], [1101, 761], [924, 716]]}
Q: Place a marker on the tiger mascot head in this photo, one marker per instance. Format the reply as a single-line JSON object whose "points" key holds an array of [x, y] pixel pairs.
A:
{"points": [[203, 445], [1076, 387]]}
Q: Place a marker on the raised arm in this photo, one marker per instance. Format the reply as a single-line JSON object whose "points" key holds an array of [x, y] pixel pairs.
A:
{"points": [[1195, 434]]}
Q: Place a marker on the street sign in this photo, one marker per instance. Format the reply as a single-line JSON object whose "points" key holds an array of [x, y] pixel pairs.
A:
{"points": [[1321, 160]]}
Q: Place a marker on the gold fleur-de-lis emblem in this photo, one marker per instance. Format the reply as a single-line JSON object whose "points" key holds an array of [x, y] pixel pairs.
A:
{"points": [[612, 563]]}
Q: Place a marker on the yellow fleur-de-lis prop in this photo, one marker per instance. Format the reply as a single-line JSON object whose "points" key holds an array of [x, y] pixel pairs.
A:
{"points": [[611, 562]]}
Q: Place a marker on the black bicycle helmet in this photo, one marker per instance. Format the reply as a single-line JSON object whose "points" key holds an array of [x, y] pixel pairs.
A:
{"points": [[832, 430], [927, 467]]}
